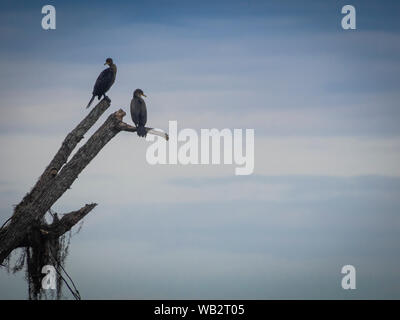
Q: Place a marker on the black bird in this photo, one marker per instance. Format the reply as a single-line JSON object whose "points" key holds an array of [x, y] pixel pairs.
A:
{"points": [[104, 81], [139, 112]]}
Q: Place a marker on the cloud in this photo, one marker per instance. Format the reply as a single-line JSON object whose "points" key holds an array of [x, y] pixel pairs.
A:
{"points": [[323, 104]]}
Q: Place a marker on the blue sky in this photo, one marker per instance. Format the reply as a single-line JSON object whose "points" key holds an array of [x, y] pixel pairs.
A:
{"points": [[324, 105]]}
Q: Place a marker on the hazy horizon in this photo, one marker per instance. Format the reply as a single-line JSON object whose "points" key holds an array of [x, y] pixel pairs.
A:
{"points": [[324, 104]]}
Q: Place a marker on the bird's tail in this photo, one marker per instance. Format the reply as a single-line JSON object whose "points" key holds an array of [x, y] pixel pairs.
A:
{"points": [[90, 102], [141, 131]]}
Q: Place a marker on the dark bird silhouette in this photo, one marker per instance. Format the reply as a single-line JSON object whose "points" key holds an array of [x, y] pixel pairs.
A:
{"points": [[104, 81], [139, 112]]}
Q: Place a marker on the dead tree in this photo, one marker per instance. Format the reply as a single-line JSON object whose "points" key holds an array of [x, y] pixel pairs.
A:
{"points": [[27, 224]]}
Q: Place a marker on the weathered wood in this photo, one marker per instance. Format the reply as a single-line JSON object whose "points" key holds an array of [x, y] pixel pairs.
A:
{"points": [[59, 227], [32, 209], [67, 146], [126, 127]]}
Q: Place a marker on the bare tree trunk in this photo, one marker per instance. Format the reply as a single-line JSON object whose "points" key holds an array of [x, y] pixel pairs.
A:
{"points": [[57, 179]]}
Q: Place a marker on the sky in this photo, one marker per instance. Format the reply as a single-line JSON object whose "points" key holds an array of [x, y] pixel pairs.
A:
{"points": [[323, 102]]}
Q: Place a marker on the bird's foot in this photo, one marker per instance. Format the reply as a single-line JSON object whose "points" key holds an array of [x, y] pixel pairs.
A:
{"points": [[44, 231], [107, 99]]}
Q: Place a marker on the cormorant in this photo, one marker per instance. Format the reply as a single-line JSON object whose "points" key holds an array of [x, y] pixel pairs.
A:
{"points": [[104, 81], [139, 112]]}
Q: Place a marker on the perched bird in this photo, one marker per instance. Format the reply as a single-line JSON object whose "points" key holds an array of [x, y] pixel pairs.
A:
{"points": [[104, 81], [139, 112]]}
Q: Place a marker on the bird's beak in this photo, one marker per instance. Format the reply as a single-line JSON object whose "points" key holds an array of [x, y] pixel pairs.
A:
{"points": [[144, 95], [105, 63]]}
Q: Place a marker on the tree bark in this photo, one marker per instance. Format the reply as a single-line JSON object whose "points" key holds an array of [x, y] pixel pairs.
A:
{"points": [[57, 178]]}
